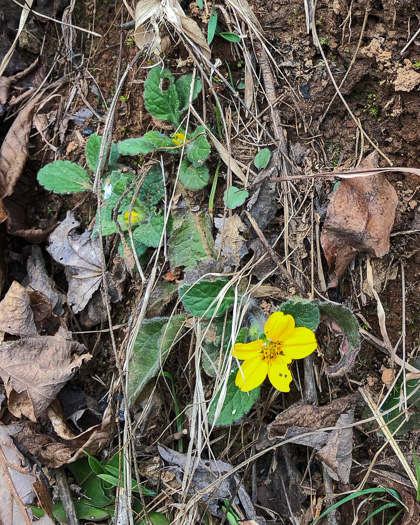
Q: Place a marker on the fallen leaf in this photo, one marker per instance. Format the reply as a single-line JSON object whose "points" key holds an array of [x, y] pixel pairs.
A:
{"points": [[14, 149], [229, 240], [80, 254], [334, 446], [359, 219], [205, 473], [19, 486], [34, 368]]}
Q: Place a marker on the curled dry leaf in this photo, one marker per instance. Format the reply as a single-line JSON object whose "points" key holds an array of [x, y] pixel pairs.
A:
{"points": [[80, 254], [229, 240], [334, 446], [19, 486], [34, 367], [150, 13], [359, 218]]}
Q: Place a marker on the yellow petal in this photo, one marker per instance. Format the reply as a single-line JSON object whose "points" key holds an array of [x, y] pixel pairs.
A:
{"points": [[279, 327], [251, 374], [301, 344], [247, 350], [279, 375]]}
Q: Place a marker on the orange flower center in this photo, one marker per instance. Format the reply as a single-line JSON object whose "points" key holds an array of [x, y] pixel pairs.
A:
{"points": [[270, 350]]}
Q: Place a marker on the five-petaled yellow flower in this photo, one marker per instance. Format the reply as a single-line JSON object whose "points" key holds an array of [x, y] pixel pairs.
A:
{"points": [[134, 217], [284, 342], [179, 138]]}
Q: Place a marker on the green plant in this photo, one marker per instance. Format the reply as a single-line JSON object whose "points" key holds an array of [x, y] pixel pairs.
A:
{"points": [[416, 65], [371, 493], [323, 41]]}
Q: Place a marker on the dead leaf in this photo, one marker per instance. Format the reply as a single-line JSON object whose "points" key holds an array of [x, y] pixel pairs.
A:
{"points": [[229, 240], [18, 484], [359, 218], [34, 368], [54, 450], [334, 446], [148, 17], [14, 149], [80, 254], [205, 473]]}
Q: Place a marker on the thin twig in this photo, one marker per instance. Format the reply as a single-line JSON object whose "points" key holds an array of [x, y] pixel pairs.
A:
{"points": [[65, 496]]}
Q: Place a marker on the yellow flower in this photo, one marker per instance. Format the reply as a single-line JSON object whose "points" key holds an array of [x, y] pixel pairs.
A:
{"points": [[134, 217], [284, 342], [179, 138]]}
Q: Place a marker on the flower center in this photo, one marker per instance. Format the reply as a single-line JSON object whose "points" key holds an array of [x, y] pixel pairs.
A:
{"points": [[270, 350]]}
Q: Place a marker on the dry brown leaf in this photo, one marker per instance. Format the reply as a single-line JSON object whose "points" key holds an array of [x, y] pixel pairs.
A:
{"points": [[19, 486], [359, 218], [14, 149], [150, 13], [34, 367], [56, 451], [229, 240], [80, 254]]}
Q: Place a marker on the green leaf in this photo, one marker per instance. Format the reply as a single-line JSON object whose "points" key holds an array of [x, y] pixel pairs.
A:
{"points": [[94, 464], [234, 197], [149, 233], [262, 158], [84, 511], [152, 189], [63, 176], [156, 518], [305, 313], [93, 148], [152, 346], [192, 177], [198, 150], [211, 29], [231, 37], [236, 403], [200, 4], [162, 103], [191, 242], [202, 298], [216, 336], [183, 88], [90, 483], [150, 141], [350, 346], [139, 247]]}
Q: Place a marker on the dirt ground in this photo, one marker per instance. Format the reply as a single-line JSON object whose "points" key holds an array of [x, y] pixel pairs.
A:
{"points": [[364, 47]]}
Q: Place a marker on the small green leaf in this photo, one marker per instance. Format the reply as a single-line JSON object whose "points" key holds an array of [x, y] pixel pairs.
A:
{"points": [[192, 177], [84, 511], [236, 403], [191, 242], [94, 464], [202, 298], [262, 158], [199, 149], [150, 141], [211, 29], [63, 176], [153, 343], [90, 483], [305, 313], [231, 37], [162, 103], [150, 232], [152, 190], [93, 149], [200, 4], [234, 197], [183, 88]]}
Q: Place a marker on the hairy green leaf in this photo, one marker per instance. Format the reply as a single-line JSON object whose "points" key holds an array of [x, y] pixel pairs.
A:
{"points": [[63, 176], [236, 403], [305, 313], [162, 103], [192, 177], [93, 148], [199, 149], [152, 189], [234, 197], [191, 242], [151, 348], [205, 298], [150, 141], [150, 231], [183, 88], [262, 158]]}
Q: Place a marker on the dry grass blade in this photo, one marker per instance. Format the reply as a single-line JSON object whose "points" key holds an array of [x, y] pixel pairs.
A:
{"points": [[350, 174]]}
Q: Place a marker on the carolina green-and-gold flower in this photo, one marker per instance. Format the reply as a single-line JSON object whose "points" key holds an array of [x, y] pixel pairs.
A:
{"points": [[271, 356]]}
